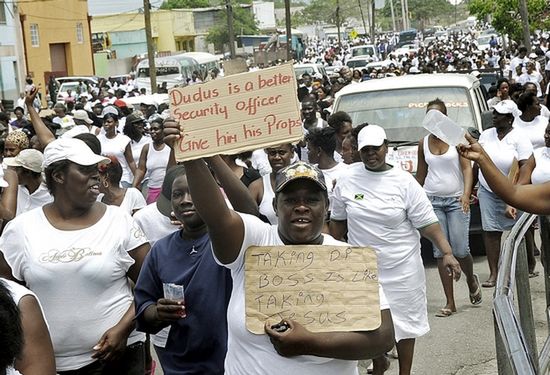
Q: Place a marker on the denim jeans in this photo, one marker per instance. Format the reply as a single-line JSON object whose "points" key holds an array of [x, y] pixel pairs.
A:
{"points": [[454, 223]]}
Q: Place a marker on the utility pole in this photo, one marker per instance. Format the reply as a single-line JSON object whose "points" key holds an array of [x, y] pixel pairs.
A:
{"points": [[392, 16], [362, 16], [288, 24], [407, 14], [403, 15], [338, 22], [372, 24], [525, 22], [230, 32], [150, 46]]}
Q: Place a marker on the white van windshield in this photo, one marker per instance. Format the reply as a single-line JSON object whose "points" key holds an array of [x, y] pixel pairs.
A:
{"points": [[362, 51], [401, 112]]}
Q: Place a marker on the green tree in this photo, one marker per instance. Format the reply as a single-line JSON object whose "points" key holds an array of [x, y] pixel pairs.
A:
{"points": [[325, 11], [506, 18], [243, 24], [421, 12], [184, 4]]}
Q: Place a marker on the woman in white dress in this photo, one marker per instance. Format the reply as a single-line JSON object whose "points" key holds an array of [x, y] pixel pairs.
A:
{"points": [[383, 207]]}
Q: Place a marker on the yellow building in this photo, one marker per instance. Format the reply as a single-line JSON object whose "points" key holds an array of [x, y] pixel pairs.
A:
{"points": [[172, 30], [56, 38]]}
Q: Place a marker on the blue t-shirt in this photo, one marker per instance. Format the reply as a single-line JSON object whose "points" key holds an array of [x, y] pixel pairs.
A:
{"points": [[197, 343]]}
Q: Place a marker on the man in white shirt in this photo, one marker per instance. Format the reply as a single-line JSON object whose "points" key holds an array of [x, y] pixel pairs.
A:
{"points": [[32, 192]]}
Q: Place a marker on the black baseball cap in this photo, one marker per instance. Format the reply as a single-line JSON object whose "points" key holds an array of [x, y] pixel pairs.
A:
{"points": [[299, 170]]}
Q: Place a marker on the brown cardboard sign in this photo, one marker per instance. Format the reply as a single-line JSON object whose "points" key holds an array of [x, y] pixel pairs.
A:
{"points": [[324, 288], [237, 113]]}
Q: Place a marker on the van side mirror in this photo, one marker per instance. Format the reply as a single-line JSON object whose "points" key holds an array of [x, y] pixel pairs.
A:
{"points": [[486, 120]]}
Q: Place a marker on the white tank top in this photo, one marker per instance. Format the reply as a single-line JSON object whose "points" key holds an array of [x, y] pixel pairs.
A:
{"points": [[266, 205], [156, 165], [444, 177]]}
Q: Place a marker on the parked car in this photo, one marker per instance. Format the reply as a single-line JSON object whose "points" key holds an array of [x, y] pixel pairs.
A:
{"points": [[398, 104], [91, 80], [358, 62], [75, 87], [312, 69]]}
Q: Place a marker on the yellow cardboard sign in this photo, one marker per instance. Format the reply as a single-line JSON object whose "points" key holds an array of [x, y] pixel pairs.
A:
{"points": [[237, 113], [324, 288]]}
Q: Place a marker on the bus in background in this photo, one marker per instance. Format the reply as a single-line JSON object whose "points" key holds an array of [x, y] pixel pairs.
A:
{"points": [[177, 69], [407, 37]]}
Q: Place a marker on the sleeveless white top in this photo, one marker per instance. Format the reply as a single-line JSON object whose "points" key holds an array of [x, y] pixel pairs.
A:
{"points": [[156, 165], [444, 178]]}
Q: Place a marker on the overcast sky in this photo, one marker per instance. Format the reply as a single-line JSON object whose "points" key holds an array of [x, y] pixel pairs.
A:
{"points": [[96, 7]]}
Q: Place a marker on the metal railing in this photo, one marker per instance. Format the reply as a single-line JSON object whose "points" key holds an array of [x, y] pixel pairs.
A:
{"points": [[515, 337]]}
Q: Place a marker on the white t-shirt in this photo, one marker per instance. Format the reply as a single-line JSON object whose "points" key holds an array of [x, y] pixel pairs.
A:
{"points": [[116, 147], [534, 129], [27, 201], [133, 200], [250, 354], [331, 176], [266, 205], [444, 178], [515, 144], [78, 275], [154, 224], [541, 173], [384, 210], [534, 77]]}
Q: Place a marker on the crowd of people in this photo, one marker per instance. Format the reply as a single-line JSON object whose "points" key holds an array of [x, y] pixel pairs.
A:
{"points": [[110, 248]]}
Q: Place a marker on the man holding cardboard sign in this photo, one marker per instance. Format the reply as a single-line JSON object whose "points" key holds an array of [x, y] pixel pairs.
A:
{"points": [[301, 204]]}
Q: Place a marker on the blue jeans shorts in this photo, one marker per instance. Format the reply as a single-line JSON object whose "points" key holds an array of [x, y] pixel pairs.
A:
{"points": [[454, 223], [492, 212]]}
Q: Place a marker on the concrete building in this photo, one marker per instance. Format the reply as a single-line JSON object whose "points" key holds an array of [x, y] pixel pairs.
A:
{"points": [[172, 30], [56, 38], [12, 62]]}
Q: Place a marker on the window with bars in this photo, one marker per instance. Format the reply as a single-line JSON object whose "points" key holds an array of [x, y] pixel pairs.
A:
{"points": [[2, 12], [79, 33], [35, 37]]}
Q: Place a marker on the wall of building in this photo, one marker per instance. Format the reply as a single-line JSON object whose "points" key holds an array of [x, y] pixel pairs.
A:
{"points": [[12, 62], [56, 25]]}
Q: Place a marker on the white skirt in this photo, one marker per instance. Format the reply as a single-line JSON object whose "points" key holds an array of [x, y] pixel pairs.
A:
{"points": [[409, 310]]}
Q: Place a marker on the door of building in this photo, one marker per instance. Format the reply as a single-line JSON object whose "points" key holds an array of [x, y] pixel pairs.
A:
{"points": [[58, 58]]}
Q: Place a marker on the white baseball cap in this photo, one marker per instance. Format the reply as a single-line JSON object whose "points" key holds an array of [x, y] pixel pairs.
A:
{"points": [[505, 107], [371, 135], [71, 149], [30, 159], [81, 114]]}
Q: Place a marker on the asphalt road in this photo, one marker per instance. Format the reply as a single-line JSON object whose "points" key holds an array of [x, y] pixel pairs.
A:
{"points": [[464, 343]]}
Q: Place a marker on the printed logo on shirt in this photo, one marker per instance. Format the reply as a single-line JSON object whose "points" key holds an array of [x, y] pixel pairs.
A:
{"points": [[74, 254], [359, 197]]}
